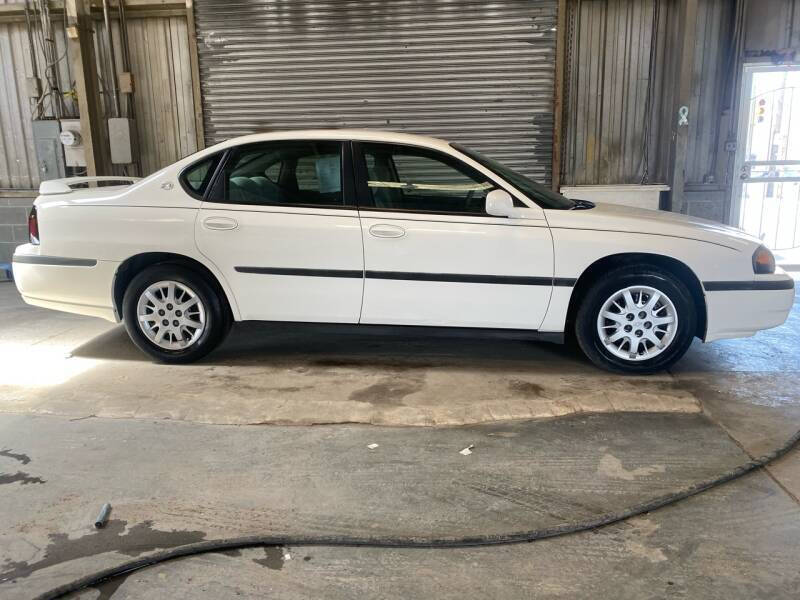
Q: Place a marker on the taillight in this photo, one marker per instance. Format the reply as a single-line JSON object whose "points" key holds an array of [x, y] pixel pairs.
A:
{"points": [[763, 261], [33, 227]]}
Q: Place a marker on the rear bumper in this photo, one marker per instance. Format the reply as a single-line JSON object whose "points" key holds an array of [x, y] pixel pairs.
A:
{"points": [[77, 285], [734, 313]]}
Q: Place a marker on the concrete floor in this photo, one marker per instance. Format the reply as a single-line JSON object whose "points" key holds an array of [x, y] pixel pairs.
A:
{"points": [[275, 374], [156, 441]]}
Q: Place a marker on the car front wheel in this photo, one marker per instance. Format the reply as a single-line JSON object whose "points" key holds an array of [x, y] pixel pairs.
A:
{"points": [[636, 320], [173, 314]]}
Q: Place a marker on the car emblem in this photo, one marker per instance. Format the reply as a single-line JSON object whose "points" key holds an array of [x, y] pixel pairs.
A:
{"points": [[166, 186]]}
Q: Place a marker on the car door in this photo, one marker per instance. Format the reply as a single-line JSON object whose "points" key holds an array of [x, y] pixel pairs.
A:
{"points": [[432, 254], [279, 221]]}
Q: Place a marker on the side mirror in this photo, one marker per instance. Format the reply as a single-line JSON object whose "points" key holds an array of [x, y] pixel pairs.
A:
{"points": [[499, 203]]}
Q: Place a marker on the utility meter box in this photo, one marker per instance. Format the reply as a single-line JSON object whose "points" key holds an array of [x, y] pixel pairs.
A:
{"points": [[49, 155], [71, 141], [121, 140]]}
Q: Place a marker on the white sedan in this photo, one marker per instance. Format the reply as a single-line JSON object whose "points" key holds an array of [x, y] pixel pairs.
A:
{"points": [[388, 231]]}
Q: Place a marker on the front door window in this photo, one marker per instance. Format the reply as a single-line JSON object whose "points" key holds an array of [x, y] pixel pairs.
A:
{"points": [[406, 178]]}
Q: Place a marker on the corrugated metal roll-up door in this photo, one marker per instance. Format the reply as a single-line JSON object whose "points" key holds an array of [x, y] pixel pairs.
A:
{"points": [[468, 71]]}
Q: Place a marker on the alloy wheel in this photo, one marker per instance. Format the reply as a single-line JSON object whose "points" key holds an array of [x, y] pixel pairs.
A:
{"points": [[171, 315], [637, 323]]}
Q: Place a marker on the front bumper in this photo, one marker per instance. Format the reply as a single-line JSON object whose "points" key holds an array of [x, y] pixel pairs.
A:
{"points": [[77, 285], [734, 313]]}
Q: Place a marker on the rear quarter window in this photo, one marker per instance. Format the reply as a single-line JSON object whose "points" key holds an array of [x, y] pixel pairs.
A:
{"points": [[196, 178]]}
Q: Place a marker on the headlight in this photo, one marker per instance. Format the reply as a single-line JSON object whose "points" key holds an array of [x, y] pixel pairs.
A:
{"points": [[763, 261]]}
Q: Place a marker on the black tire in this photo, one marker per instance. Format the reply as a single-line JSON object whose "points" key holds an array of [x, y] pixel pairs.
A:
{"points": [[586, 321], [217, 315]]}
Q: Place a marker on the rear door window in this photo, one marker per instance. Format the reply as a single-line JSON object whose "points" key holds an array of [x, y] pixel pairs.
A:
{"points": [[302, 173]]}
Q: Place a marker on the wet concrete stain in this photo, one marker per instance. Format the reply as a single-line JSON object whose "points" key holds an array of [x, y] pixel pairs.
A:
{"points": [[389, 392], [273, 558], [23, 458], [21, 476], [704, 391], [137, 540], [238, 383], [526, 388], [109, 587], [336, 362], [232, 553], [394, 364]]}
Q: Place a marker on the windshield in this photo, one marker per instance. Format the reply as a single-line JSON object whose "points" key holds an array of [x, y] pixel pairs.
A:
{"points": [[540, 194]]}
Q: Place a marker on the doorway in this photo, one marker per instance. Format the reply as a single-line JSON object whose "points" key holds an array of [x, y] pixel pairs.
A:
{"points": [[766, 191]]}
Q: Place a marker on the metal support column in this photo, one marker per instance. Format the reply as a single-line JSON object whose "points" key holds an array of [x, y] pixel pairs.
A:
{"points": [[81, 51], [558, 96], [195, 67], [681, 121]]}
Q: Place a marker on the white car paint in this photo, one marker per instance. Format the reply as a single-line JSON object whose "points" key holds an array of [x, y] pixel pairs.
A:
{"points": [[449, 244], [286, 238], [106, 226]]}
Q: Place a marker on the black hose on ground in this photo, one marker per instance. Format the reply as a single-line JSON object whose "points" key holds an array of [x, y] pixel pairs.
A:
{"points": [[418, 542]]}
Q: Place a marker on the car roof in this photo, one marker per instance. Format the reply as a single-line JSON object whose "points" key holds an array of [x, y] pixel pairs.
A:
{"points": [[366, 135]]}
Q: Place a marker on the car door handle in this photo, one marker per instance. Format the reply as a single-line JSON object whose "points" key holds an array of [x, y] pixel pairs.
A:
{"points": [[382, 230], [220, 223]]}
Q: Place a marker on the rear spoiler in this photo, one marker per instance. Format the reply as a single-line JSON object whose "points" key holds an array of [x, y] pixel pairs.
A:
{"points": [[65, 186]]}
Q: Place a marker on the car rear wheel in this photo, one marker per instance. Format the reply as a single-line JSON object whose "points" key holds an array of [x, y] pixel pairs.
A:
{"points": [[173, 314], [637, 319]]}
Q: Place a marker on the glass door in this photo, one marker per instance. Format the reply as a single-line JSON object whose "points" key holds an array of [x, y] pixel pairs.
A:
{"points": [[766, 192]]}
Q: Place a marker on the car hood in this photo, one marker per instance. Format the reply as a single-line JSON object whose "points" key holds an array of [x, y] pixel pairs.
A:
{"points": [[615, 217]]}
